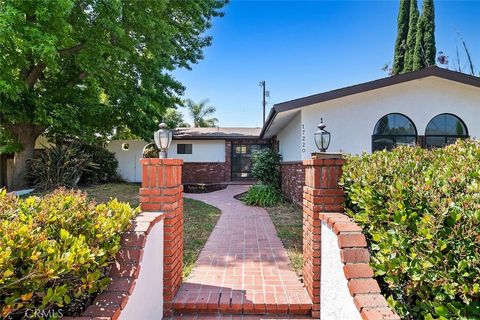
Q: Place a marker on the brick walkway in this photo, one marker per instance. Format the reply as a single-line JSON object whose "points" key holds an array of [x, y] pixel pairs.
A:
{"points": [[243, 267]]}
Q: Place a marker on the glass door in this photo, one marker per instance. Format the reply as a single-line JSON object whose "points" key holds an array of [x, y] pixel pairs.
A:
{"points": [[242, 159]]}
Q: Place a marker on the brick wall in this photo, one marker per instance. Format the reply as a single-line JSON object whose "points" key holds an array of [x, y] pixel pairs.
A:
{"points": [[205, 172], [323, 201], [162, 190], [292, 180]]}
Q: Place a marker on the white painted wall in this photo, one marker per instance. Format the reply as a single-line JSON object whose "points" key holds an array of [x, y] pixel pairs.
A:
{"points": [[146, 301], [335, 299], [129, 161], [351, 119], [290, 142], [202, 151], [129, 166]]}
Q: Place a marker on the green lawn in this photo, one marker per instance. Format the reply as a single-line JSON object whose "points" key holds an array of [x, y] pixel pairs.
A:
{"points": [[288, 220], [199, 217]]}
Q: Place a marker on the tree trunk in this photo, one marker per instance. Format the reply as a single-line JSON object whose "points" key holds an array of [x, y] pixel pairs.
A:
{"points": [[26, 134]]}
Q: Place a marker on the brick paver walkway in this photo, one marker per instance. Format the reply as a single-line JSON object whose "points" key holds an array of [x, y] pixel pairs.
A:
{"points": [[243, 267]]}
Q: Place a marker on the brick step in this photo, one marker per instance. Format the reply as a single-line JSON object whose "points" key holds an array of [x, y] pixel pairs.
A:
{"points": [[218, 303], [215, 316]]}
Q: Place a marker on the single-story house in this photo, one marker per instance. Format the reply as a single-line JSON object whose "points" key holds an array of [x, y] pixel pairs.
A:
{"points": [[430, 107], [211, 155]]}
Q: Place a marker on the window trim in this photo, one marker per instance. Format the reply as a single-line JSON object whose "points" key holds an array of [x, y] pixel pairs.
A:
{"points": [[394, 136], [446, 136], [184, 148]]}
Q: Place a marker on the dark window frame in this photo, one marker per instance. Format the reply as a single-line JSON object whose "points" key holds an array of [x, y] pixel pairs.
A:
{"points": [[393, 137], [185, 149], [445, 136]]}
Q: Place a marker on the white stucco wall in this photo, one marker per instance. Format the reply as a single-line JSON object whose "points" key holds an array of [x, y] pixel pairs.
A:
{"points": [[202, 151], [146, 301], [351, 119], [129, 166], [129, 161], [290, 143], [335, 299]]}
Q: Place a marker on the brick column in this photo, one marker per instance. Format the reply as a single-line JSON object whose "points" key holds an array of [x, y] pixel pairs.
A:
{"points": [[321, 194], [162, 190]]}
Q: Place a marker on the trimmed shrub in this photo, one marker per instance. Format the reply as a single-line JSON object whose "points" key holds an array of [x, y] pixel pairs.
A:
{"points": [[266, 167], [60, 166], [420, 210], [107, 165], [55, 251], [263, 195]]}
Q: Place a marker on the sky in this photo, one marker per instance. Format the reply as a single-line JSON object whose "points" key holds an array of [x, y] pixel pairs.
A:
{"points": [[306, 47]]}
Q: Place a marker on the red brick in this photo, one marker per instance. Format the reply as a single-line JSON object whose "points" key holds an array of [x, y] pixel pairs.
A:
{"points": [[379, 314], [357, 286], [342, 226], [357, 270], [351, 240], [369, 301], [355, 255], [99, 311]]}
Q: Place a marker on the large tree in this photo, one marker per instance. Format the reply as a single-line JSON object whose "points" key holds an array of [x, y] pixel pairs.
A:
{"points": [[201, 113], [411, 37], [84, 67], [425, 50], [402, 32]]}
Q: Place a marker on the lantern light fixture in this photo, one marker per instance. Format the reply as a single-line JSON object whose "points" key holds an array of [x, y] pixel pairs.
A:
{"points": [[163, 139], [322, 137]]}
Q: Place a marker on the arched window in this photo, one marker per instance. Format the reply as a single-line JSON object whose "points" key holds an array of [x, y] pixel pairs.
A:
{"points": [[393, 130], [444, 129]]}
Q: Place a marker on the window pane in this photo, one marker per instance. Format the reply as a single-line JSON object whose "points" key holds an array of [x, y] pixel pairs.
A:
{"points": [[434, 142], [381, 143], [394, 124], [184, 148], [405, 141], [446, 124]]}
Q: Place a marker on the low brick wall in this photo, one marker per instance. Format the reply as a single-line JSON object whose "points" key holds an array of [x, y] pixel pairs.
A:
{"points": [[205, 172], [355, 257], [293, 180], [125, 271]]}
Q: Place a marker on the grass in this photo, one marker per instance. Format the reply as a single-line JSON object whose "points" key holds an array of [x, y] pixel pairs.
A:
{"points": [[288, 220], [199, 217]]}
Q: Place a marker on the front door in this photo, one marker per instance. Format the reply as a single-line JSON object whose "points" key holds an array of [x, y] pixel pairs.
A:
{"points": [[242, 159]]}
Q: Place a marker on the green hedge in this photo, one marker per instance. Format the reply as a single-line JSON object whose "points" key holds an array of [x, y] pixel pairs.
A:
{"points": [[55, 251], [420, 210]]}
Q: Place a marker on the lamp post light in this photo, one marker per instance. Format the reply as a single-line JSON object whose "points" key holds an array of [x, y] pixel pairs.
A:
{"points": [[322, 137], [163, 139]]}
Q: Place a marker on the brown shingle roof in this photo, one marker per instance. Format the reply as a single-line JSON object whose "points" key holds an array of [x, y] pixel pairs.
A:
{"points": [[216, 133]]}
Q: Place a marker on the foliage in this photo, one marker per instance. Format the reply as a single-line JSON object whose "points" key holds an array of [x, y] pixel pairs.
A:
{"points": [[83, 68], [425, 51], [106, 165], [7, 143], [174, 119], [402, 32], [201, 113], [266, 167], [60, 166], [420, 210], [411, 37], [150, 151], [55, 250], [263, 195]]}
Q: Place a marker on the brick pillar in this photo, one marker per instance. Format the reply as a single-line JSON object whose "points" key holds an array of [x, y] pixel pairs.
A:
{"points": [[321, 194], [162, 190]]}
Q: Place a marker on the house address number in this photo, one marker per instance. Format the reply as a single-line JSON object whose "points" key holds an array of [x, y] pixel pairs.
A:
{"points": [[302, 142]]}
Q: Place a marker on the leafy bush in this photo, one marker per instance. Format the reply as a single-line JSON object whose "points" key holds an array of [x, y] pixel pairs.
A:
{"points": [[55, 251], [106, 171], [420, 210], [60, 166], [263, 195], [266, 167]]}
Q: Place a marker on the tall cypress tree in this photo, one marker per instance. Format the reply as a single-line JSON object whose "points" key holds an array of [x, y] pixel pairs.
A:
{"points": [[425, 51], [411, 37], [402, 32]]}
